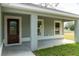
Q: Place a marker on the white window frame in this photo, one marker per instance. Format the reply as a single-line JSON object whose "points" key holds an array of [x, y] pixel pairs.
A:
{"points": [[5, 30], [56, 21], [42, 29]]}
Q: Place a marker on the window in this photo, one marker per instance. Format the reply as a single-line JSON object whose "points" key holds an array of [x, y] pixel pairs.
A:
{"points": [[40, 29], [13, 27], [57, 27]]}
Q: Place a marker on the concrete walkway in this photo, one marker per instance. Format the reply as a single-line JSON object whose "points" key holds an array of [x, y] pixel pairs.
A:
{"points": [[66, 41], [18, 50]]}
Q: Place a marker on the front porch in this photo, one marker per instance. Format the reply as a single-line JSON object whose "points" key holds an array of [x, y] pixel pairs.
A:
{"points": [[42, 30]]}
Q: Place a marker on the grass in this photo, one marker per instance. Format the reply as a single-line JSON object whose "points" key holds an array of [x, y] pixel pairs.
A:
{"points": [[69, 35], [63, 50]]}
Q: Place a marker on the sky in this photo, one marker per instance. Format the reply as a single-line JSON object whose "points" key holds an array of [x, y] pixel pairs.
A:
{"points": [[69, 7]]}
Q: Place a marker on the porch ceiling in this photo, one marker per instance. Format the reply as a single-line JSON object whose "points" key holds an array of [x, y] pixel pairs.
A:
{"points": [[26, 9]]}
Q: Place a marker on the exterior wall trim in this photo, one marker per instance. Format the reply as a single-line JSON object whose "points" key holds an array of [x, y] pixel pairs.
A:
{"points": [[26, 39], [5, 29], [43, 38], [37, 9], [6, 9]]}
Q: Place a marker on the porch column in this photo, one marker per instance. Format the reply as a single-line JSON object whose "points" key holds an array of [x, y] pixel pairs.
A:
{"points": [[76, 31], [33, 32], [0, 32], [0, 26]]}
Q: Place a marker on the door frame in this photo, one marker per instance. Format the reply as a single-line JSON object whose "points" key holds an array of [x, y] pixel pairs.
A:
{"points": [[5, 30]]}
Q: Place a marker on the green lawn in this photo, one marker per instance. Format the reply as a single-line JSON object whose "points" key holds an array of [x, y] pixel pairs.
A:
{"points": [[63, 50]]}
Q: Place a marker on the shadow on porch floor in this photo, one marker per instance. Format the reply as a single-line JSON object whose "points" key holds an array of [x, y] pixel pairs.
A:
{"points": [[18, 50]]}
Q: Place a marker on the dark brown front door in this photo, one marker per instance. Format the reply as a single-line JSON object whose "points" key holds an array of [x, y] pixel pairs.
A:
{"points": [[12, 31]]}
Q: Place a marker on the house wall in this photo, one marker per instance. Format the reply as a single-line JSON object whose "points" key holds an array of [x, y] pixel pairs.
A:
{"points": [[49, 25], [49, 43], [25, 23], [48, 29]]}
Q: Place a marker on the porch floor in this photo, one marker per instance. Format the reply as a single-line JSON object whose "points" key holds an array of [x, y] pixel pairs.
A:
{"points": [[18, 50], [24, 49]]}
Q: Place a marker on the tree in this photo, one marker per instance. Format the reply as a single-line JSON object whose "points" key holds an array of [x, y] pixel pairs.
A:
{"points": [[49, 4], [70, 25]]}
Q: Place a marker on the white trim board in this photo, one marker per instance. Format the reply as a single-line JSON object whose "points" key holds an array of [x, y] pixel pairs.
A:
{"points": [[5, 29], [50, 37], [43, 38], [40, 10], [10, 10], [26, 39]]}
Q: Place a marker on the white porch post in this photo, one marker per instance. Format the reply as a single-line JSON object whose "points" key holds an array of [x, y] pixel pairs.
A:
{"points": [[76, 31], [0, 26], [34, 32], [0, 32]]}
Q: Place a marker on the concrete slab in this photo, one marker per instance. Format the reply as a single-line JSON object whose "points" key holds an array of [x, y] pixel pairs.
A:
{"points": [[18, 50], [66, 41]]}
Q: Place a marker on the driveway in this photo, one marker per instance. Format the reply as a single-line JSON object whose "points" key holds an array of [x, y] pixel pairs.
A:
{"points": [[18, 50]]}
